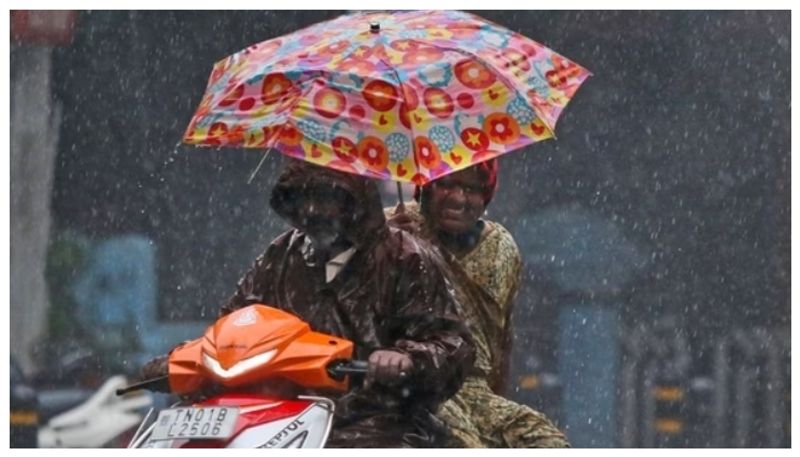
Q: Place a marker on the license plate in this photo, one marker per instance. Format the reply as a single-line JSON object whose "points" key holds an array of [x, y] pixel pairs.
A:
{"points": [[208, 423]]}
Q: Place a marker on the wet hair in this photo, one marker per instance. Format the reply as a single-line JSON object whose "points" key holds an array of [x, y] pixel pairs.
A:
{"points": [[487, 173]]}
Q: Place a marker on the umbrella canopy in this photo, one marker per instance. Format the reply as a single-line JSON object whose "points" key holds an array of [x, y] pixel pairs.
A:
{"points": [[406, 96]]}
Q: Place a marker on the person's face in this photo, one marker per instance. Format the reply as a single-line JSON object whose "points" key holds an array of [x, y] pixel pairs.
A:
{"points": [[456, 202], [322, 213]]}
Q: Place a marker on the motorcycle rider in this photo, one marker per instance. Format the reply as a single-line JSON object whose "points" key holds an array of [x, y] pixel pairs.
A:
{"points": [[346, 273]]}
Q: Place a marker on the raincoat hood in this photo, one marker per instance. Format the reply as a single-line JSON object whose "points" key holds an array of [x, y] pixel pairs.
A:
{"points": [[367, 220]]}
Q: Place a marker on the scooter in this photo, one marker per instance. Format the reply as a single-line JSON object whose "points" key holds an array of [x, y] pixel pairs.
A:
{"points": [[258, 378]]}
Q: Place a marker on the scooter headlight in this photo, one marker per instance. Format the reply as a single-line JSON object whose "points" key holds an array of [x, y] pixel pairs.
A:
{"points": [[238, 368]]}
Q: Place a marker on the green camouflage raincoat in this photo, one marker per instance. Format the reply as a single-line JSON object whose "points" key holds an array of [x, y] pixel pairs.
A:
{"points": [[476, 415]]}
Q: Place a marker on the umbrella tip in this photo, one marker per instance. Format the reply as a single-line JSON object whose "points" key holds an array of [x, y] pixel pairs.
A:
{"points": [[374, 27]]}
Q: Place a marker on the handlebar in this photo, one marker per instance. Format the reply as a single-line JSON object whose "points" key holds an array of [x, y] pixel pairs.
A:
{"points": [[159, 384], [338, 369]]}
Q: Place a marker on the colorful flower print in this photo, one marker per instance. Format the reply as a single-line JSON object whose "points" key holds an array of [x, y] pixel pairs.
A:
{"points": [[329, 102], [473, 74], [373, 153], [426, 152], [380, 95], [438, 102], [501, 128]]}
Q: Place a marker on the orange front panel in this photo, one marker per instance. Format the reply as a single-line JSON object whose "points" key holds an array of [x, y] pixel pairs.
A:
{"points": [[186, 371], [301, 355], [306, 359], [250, 331]]}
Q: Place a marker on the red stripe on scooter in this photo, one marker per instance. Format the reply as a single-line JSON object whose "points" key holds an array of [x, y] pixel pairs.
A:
{"points": [[281, 410]]}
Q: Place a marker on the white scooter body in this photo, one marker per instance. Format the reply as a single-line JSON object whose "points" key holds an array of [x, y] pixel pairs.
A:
{"points": [[304, 422], [97, 421]]}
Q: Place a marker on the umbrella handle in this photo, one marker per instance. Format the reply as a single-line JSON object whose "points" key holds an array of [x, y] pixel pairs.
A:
{"points": [[401, 207]]}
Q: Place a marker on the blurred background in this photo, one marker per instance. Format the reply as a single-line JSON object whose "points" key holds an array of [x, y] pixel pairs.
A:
{"points": [[655, 231]]}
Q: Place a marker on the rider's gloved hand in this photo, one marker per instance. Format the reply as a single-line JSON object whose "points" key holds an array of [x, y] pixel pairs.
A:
{"points": [[388, 367], [155, 368]]}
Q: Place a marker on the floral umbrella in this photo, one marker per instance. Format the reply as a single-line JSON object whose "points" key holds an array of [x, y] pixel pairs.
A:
{"points": [[406, 96]]}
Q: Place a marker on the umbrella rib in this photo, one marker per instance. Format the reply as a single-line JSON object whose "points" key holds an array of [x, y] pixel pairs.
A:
{"points": [[258, 167]]}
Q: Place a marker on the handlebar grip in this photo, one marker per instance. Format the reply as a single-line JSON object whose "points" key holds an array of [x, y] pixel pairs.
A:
{"points": [[338, 369], [358, 366]]}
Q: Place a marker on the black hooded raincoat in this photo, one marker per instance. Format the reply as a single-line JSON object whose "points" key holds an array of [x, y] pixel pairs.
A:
{"points": [[395, 292]]}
